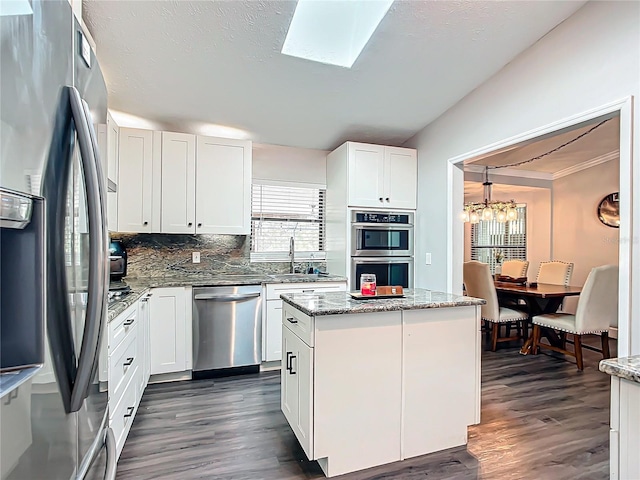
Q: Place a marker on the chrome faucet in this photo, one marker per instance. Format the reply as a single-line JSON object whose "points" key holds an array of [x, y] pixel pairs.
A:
{"points": [[292, 247]]}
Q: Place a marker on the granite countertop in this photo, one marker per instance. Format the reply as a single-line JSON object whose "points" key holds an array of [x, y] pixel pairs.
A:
{"points": [[139, 285], [626, 367], [336, 303]]}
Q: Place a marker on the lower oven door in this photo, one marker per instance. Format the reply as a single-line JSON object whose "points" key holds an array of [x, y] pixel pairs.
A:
{"points": [[388, 271]]}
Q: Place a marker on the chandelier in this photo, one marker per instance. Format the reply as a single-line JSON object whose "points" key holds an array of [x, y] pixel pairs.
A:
{"points": [[489, 209]]}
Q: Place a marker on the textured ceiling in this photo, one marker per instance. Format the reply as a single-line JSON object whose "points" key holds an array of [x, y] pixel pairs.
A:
{"points": [[220, 62], [603, 140]]}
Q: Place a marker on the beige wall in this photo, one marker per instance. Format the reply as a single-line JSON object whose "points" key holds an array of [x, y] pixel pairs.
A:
{"points": [[538, 201], [578, 236], [289, 164]]}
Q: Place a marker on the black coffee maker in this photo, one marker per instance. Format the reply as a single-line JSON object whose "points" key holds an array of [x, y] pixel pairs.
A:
{"points": [[117, 260]]}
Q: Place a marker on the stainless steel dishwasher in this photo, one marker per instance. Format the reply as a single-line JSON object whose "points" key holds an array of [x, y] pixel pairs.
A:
{"points": [[227, 327]]}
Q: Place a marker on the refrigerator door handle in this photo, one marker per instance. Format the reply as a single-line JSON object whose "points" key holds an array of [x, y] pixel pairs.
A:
{"points": [[112, 456], [96, 298]]}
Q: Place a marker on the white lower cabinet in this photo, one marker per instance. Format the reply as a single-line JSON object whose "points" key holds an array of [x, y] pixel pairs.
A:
{"points": [[624, 437], [272, 313], [170, 330]]}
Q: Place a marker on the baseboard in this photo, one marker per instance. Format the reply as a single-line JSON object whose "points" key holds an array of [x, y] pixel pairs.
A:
{"points": [[270, 366], [170, 377]]}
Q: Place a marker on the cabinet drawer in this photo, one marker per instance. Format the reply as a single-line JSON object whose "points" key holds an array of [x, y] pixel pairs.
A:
{"points": [[298, 323], [121, 326], [122, 363], [276, 289], [123, 413]]}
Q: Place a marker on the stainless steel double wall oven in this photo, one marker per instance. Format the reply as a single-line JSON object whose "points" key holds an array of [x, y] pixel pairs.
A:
{"points": [[382, 244]]}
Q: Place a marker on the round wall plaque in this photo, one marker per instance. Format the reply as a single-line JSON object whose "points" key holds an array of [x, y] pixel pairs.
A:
{"points": [[609, 210]]}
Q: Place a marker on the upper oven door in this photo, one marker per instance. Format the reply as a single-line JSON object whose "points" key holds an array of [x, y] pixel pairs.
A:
{"points": [[381, 240]]}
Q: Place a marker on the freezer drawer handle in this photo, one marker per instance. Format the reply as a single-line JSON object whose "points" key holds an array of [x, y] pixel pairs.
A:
{"points": [[227, 298], [128, 362], [129, 412], [292, 320], [130, 321], [112, 459]]}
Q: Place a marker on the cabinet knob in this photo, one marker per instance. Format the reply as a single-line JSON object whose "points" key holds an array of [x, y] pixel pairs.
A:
{"points": [[380, 198], [387, 199], [199, 225], [145, 223], [190, 224]]}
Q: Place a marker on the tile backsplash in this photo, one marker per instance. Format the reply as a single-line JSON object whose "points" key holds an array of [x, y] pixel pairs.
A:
{"points": [[159, 255]]}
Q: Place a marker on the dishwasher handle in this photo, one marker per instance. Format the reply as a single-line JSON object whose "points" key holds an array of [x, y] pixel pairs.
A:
{"points": [[234, 297]]}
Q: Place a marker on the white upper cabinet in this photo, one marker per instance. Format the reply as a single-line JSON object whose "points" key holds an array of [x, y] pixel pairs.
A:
{"points": [[135, 180], [400, 177], [178, 212], [223, 186], [110, 164], [366, 175], [378, 176]]}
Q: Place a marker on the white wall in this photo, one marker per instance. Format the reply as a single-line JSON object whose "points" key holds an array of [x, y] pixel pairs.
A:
{"points": [[289, 164], [578, 235], [538, 203], [590, 60]]}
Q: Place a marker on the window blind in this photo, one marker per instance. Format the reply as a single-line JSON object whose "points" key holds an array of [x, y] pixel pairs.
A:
{"points": [[281, 212], [492, 239]]}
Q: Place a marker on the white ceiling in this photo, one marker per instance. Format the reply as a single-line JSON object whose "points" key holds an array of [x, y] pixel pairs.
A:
{"points": [[601, 141], [220, 62]]}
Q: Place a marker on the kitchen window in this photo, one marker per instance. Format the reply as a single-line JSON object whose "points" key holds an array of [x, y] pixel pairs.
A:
{"points": [[279, 212], [493, 242]]}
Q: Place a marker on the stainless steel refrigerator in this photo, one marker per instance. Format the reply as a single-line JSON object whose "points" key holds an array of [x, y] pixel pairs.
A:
{"points": [[53, 415]]}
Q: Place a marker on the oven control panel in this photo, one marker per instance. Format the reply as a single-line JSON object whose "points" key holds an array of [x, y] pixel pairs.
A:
{"points": [[376, 217]]}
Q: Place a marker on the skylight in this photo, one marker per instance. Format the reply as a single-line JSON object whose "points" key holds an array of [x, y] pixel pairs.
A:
{"points": [[333, 31]]}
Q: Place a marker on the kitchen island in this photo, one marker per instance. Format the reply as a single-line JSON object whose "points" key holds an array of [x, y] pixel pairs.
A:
{"points": [[369, 382]]}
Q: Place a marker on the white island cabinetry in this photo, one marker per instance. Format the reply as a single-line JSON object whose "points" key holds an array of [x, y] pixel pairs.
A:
{"points": [[365, 384]]}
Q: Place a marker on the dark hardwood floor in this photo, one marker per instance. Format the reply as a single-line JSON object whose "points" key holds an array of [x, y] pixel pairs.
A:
{"points": [[541, 419]]}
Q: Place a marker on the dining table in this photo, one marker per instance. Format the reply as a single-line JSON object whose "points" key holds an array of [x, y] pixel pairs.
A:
{"points": [[539, 299]]}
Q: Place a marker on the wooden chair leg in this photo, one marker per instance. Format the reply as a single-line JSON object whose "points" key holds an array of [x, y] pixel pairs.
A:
{"points": [[525, 330], [536, 339], [563, 340], [519, 329], [577, 345], [508, 327], [604, 336], [495, 329]]}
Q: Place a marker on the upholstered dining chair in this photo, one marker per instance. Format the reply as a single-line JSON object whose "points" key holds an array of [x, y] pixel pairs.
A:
{"points": [[597, 310], [555, 272], [479, 283], [515, 268]]}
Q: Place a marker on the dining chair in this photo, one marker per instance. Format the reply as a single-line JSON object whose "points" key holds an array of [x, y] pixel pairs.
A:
{"points": [[478, 282], [515, 268], [555, 272], [597, 310]]}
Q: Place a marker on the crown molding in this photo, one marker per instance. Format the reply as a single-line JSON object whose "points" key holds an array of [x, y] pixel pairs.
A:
{"points": [[607, 157], [509, 172]]}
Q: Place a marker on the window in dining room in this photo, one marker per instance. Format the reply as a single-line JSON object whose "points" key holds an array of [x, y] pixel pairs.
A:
{"points": [[493, 242]]}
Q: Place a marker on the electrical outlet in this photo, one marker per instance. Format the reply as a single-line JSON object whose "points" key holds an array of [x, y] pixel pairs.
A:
{"points": [[195, 257], [427, 259]]}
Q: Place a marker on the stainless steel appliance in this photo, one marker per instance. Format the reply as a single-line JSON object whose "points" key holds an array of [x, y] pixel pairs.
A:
{"points": [[388, 270], [117, 260], [381, 234], [54, 416], [382, 244], [227, 327]]}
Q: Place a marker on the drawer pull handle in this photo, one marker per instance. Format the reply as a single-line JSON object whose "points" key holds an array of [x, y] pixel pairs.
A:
{"points": [[291, 320], [128, 362], [129, 322], [129, 412], [289, 360], [308, 291]]}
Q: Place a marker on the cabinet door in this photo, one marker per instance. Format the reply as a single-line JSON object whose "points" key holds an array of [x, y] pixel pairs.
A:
{"points": [[297, 388], [273, 331], [223, 186], [167, 329], [400, 177], [366, 179], [135, 182], [178, 183], [113, 133], [143, 341], [289, 382]]}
